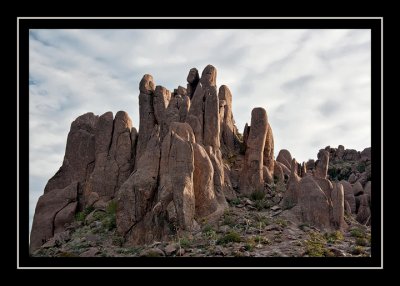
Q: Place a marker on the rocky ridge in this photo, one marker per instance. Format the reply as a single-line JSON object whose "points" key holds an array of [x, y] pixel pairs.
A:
{"points": [[188, 174]]}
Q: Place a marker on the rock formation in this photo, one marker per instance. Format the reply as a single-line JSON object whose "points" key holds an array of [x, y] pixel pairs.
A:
{"points": [[186, 161], [98, 159]]}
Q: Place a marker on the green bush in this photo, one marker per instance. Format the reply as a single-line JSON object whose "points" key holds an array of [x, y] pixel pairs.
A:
{"points": [[315, 246], [231, 236], [80, 216], [356, 232], [357, 250], [361, 241], [333, 237], [185, 242], [361, 167], [112, 207], [257, 195], [235, 202]]}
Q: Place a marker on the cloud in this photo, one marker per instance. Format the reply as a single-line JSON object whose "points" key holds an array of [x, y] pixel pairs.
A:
{"points": [[314, 84]]}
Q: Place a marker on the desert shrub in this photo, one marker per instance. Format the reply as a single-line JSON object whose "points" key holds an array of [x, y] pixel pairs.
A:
{"points": [[257, 195], [184, 242], [80, 216], [333, 237], [357, 250], [235, 202], [361, 241], [231, 236], [316, 246], [281, 222], [356, 232], [361, 167]]}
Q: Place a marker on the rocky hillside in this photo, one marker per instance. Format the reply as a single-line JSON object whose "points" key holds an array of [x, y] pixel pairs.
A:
{"points": [[189, 184]]}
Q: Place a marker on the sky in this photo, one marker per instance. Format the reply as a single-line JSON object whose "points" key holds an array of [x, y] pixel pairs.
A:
{"points": [[314, 84]]}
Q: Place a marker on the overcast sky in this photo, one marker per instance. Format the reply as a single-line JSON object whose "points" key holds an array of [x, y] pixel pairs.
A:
{"points": [[314, 84]]}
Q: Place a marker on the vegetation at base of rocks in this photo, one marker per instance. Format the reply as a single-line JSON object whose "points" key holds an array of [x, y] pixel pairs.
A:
{"points": [[339, 170], [357, 250], [361, 167], [80, 216], [281, 222], [257, 195], [184, 242], [316, 246], [334, 237], [110, 220], [361, 241], [118, 240], [261, 221], [357, 232], [228, 219], [235, 202], [210, 235], [129, 250], [231, 236]]}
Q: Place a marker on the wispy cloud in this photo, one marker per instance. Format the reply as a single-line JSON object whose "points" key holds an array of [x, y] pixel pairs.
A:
{"points": [[314, 84]]}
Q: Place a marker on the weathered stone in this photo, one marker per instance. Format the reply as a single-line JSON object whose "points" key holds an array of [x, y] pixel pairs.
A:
{"points": [[184, 108], [351, 155], [211, 120], [161, 100], [367, 190], [279, 176], [364, 211], [303, 171], [216, 160], [358, 189], [252, 178], [269, 160], [340, 152], [79, 154], [352, 178], [203, 179], [310, 165], [325, 185], [349, 195], [47, 208], [134, 198], [65, 216], [146, 114], [170, 249], [366, 154], [91, 252], [337, 197], [181, 167], [285, 158], [192, 79], [228, 129], [321, 165], [92, 198], [209, 76], [314, 204], [286, 171], [113, 162], [153, 252], [291, 195]]}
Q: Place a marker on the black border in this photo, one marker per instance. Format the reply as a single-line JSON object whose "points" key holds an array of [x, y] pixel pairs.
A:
{"points": [[25, 24]]}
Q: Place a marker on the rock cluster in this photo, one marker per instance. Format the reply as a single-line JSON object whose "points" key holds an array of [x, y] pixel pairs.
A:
{"points": [[184, 164], [98, 159]]}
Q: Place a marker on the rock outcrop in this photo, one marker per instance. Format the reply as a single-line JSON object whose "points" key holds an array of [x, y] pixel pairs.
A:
{"points": [[252, 179], [183, 165], [98, 159]]}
